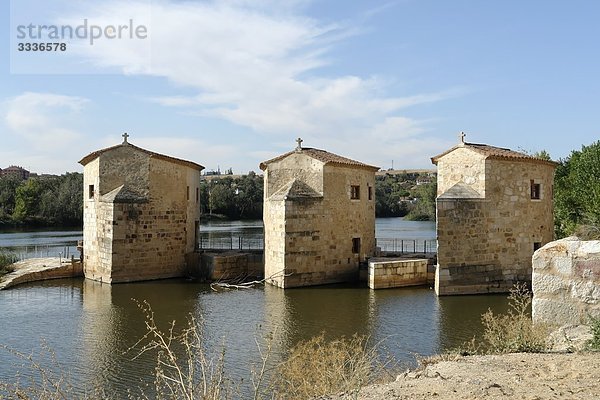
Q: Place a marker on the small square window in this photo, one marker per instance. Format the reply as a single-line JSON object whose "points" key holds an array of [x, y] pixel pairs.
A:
{"points": [[536, 245], [355, 192], [355, 245], [536, 190], [90, 191]]}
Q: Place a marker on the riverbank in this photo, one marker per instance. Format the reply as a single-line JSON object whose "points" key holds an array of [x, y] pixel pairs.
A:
{"points": [[40, 269], [507, 376]]}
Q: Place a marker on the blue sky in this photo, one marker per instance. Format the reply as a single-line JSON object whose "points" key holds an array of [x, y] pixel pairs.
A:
{"points": [[230, 83]]}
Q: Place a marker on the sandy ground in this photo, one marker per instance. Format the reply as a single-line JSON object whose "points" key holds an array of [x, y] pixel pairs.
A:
{"points": [[510, 376]]}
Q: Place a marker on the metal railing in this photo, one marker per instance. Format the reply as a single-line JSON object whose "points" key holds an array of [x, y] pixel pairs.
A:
{"points": [[386, 244], [231, 243], [42, 251], [407, 245]]}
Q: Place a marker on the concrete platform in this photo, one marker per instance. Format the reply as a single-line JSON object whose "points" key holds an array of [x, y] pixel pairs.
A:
{"points": [[40, 269]]}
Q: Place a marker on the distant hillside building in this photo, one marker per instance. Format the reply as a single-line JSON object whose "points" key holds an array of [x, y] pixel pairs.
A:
{"points": [[494, 209], [14, 170], [319, 217], [141, 214]]}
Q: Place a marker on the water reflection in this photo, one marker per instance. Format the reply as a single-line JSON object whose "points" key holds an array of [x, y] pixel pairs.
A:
{"points": [[460, 317], [91, 325]]}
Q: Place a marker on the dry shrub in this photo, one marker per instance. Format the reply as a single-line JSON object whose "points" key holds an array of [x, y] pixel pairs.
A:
{"points": [[588, 232], [316, 367], [6, 261], [514, 332], [46, 379], [183, 369]]}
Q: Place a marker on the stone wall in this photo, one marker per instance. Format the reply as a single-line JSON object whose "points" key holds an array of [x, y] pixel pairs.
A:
{"points": [[309, 239], [231, 265], [566, 282], [461, 166], [385, 274], [143, 228], [485, 244]]}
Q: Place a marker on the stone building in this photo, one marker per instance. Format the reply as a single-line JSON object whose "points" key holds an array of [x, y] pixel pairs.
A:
{"points": [[14, 170], [141, 214], [319, 217], [494, 209]]}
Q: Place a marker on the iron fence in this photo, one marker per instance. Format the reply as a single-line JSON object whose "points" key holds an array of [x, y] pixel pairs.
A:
{"points": [[42, 251], [231, 243], [407, 245], [386, 244]]}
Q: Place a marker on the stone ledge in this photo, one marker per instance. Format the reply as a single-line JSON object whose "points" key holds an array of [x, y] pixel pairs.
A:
{"points": [[40, 269]]}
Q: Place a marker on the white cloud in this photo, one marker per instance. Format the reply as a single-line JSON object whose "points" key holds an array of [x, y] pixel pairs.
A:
{"points": [[44, 120], [42, 132], [251, 63]]}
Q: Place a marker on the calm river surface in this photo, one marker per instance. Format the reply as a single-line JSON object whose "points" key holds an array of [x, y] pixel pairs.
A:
{"points": [[90, 326]]}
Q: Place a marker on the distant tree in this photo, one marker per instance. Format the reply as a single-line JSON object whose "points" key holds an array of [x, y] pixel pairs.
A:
{"points": [[543, 154], [50, 200], [8, 188], [27, 200], [424, 209], [235, 198]]}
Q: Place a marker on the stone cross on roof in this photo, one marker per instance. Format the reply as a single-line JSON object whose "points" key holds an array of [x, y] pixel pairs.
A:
{"points": [[125, 136], [299, 147], [461, 136]]}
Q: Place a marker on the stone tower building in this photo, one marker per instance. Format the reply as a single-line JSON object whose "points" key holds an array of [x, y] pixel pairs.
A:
{"points": [[141, 214], [319, 217], [494, 209]]}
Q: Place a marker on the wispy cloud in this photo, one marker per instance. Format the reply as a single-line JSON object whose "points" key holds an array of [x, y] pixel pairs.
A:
{"points": [[252, 63], [44, 120], [42, 131]]}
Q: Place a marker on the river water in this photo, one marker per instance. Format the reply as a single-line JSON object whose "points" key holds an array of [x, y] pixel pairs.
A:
{"points": [[90, 326]]}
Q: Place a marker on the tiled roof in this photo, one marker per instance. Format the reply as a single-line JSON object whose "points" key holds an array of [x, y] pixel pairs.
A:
{"points": [[499, 153], [92, 156], [321, 155]]}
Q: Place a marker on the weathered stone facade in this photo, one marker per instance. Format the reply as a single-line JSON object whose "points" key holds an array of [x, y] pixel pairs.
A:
{"points": [[319, 217], [566, 282], [141, 214], [384, 274], [494, 209]]}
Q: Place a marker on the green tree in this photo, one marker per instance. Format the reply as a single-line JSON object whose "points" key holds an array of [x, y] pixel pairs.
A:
{"points": [[8, 188], [27, 200], [424, 209], [577, 190]]}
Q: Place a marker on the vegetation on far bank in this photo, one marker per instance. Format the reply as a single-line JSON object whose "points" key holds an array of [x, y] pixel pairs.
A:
{"points": [[42, 200], [58, 200]]}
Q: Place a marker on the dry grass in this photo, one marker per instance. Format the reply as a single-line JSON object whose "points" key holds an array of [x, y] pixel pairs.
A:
{"points": [[588, 232], [6, 259], [316, 367], [183, 369], [44, 379], [514, 332]]}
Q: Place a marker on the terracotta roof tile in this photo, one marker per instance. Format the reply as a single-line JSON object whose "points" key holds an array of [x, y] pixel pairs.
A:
{"points": [[499, 153], [323, 156], [92, 156]]}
